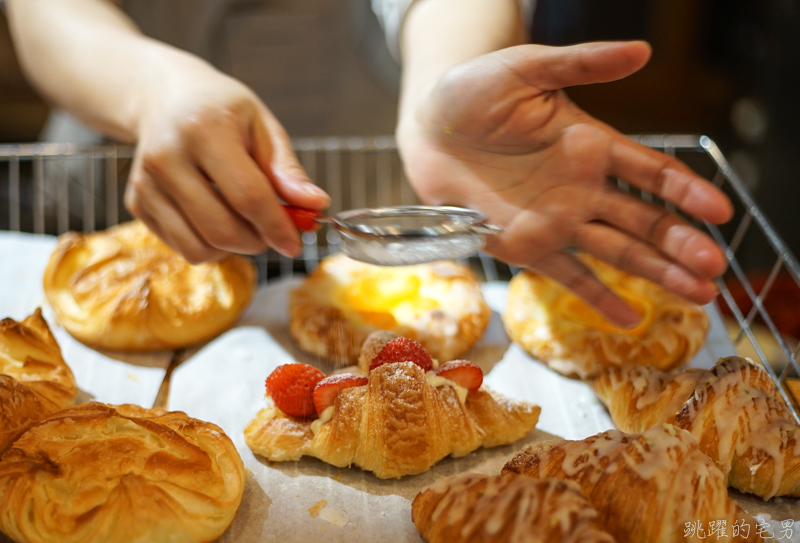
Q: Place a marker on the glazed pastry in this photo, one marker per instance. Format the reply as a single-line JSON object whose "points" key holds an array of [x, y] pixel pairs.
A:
{"points": [[34, 380], [648, 487], [99, 473], [733, 410], [398, 421], [555, 326], [505, 509], [124, 289], [440, 305]]}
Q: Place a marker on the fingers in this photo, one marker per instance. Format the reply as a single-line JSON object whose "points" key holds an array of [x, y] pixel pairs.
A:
{"points": [[554, 68], [146, 202], [665, 231], [577, 277], [208, 214], [221, 153], [669, 179], [273, 151], [635, 257]]}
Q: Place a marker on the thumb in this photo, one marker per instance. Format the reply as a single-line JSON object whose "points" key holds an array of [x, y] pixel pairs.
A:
{"points": [[554, 68], [275, 156]]}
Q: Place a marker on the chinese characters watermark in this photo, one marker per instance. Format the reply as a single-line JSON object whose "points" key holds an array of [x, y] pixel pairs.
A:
{"points": [[717, 529]]}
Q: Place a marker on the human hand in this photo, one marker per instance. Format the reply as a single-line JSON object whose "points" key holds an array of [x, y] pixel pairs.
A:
{"points": [[211, 166], [499, 135]]}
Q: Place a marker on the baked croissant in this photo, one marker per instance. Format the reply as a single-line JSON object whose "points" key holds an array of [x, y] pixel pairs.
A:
{"points": [[505, 509], [397, 424], [733, 411], [558, 328], [646, 487], [34, 380], [98, 473], [124, 289]]}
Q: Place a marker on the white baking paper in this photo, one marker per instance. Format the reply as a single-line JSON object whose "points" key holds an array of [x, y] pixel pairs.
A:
{"points": [[102, 376], [224, 383]]}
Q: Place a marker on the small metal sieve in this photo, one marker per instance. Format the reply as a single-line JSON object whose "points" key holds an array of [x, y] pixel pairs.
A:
{"points": [[403, 235]]}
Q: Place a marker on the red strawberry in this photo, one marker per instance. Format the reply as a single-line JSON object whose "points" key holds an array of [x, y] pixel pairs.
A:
{"points": [[304, 219], [327, 389], [463, 373], [291, 387], [403, 349]]}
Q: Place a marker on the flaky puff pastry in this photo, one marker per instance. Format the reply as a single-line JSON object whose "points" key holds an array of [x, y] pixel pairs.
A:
{"points": [[733, 410], [99, 473], [397, 424], [647, 487], [34, 380], [124, 289], [558, 328], [506, 509], [439, 305]]}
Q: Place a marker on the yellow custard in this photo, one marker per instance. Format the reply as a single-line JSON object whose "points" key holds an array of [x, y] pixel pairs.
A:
{"points": [[572, 308], [438, 381], [324, 417]]}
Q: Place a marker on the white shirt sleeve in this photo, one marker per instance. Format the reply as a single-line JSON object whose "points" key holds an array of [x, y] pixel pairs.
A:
{"points": [[391, 13]]}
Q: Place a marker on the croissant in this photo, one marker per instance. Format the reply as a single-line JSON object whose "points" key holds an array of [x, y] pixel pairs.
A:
{"points": [[34, 380], [397, 424], [117, 474], [505, 509], [733, 411], [124, 289], [646, 487]]}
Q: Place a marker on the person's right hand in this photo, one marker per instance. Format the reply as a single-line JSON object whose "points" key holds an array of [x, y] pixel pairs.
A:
{"points": [[212, 165]]}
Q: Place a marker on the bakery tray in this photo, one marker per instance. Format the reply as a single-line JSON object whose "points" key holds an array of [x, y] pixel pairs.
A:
{"points": [[48, 189]]}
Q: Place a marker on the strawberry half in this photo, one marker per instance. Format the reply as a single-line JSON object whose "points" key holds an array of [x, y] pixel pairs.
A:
{"points": [[327, 389], [462, 373], [291, 387], [403, 349]]}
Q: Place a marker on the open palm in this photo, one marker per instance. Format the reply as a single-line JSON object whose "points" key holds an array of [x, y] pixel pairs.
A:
{"points": [[498, 134]]}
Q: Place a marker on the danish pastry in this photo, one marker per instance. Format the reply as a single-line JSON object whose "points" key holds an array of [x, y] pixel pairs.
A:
{"points": [[733, 410], [124, 289], [649, 487], [34, 380], [558, 328], [439, 305], [506, 509], [99, 473], [397, 421]]}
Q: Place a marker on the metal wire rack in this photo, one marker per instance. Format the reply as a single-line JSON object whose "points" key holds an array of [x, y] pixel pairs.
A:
{"points": [[53, 188]]}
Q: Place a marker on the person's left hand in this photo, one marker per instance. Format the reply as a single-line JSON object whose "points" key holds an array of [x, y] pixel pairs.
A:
{"points": [[499, 135]]}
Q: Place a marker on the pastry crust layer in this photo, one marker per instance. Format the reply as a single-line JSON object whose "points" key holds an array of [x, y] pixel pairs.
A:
{"points": [[34, 380], [556, 327], [117, 474], [124, 289], [439, 305]]}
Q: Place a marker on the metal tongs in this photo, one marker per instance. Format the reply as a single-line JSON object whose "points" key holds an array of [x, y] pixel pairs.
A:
{"points": [[403, 235]]}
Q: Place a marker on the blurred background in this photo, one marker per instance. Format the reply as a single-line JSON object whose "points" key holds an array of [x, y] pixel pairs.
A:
{"points": [[729, 69]]}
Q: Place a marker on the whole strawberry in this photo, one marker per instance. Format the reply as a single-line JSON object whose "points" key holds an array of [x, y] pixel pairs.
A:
{"points": [[291, 387], [403, 349]]}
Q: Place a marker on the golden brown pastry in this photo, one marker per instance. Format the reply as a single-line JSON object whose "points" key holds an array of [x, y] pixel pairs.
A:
{"points": [[650, 487], [733, 410], [561, 330], [397, 424], [124, 289], [505, 509], [440, 305], [99, 473], [34, 380]]}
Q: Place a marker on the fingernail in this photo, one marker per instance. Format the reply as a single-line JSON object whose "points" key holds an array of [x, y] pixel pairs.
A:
{"points": [[288, 248], [314, 190], [628, 318]]}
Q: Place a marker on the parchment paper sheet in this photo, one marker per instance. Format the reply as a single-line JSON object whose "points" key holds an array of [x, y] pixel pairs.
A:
{"points": [[224, 383], [106, 377]]}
